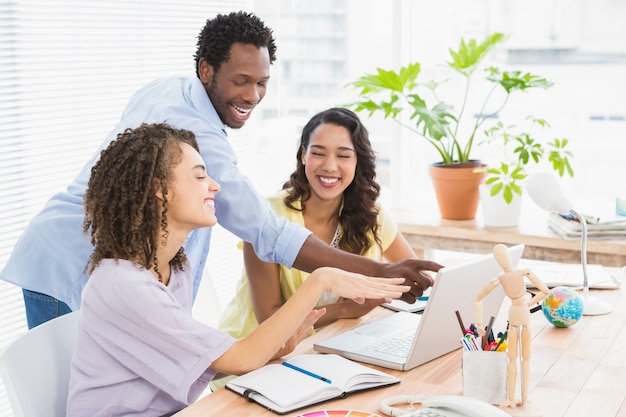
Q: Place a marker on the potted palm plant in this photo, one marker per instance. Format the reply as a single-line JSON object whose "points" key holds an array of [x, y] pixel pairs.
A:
{"points": [[415, 105]]}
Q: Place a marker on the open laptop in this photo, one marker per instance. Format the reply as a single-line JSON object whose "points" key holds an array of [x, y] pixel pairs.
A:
{"points": [[435, 332]]}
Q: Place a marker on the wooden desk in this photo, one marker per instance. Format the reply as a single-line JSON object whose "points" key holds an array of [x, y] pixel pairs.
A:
{"points": [[575, 372], [427, 231]]}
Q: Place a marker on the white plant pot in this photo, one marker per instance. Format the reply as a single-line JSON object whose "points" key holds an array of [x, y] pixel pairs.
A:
{"points": [[496, 212]]}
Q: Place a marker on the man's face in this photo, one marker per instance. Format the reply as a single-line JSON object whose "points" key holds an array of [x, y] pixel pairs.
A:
{"points": [[240, 83]]}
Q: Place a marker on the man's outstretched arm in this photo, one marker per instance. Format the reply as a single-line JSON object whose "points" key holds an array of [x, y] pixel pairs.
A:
{"points": [[315, 253]]}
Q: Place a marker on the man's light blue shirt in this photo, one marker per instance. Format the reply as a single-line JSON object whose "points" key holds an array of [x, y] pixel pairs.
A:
{"points": [[51, 255]]}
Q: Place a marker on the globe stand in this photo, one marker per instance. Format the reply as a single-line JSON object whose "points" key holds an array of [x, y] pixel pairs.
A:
{"points": [[594, 307]]}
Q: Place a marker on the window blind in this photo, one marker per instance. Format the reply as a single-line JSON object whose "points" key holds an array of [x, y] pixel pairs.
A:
{"points": [[67, 69]]}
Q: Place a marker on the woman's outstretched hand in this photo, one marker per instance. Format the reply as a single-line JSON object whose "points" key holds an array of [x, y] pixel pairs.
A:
{"points": [[359, 287]]}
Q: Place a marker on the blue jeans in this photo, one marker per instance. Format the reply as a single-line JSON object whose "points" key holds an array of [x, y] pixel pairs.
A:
{"points": [[41, 307]]}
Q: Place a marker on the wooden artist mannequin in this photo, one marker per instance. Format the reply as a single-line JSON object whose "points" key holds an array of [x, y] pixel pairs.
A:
{"points": [[514, 287]]}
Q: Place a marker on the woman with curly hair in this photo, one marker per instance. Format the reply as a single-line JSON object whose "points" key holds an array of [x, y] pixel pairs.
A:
{"points": [[139, 351], [333, 193]]}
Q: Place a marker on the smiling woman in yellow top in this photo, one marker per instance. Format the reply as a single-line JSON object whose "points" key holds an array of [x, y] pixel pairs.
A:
{"points": [[333, 193]]}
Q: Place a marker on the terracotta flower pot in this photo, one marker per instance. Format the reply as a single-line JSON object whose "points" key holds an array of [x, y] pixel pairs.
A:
{"points": [[456, 188]]}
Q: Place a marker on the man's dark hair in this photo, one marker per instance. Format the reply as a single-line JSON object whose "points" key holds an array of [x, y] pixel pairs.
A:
{"points": [[220, 33]]}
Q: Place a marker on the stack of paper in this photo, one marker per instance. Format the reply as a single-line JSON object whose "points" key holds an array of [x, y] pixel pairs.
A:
{"points": [[570, 228]]}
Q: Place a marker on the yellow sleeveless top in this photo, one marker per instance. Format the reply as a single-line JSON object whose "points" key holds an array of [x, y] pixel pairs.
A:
{"points": [[238, 317]]}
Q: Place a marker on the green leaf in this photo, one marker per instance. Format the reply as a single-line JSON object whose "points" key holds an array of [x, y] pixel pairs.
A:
{"points": [[385, 80], [518, 174], [469, 54], [508, 195], [559, 157], [516, 188], [388, 108], [408, 75], [516, 80], [435, 121], [496, 189], [528, 148], [540, 122]]}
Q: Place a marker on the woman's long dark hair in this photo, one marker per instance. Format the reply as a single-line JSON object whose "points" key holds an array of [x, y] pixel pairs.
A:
{"points": [[122, 212], [360, 212]]}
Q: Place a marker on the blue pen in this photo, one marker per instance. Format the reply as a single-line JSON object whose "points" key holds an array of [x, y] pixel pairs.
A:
{"points": [[304, 371], [466, 344]]}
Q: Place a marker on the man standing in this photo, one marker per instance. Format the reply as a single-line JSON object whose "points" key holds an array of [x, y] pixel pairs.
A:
{"points": [[233, 56]]}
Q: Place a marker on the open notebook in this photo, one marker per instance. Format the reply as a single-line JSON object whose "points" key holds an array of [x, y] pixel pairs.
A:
{"points": [[405, 340], [305, 380]]}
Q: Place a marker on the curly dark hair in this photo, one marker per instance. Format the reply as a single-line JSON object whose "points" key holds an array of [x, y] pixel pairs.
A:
{"points": [[122, 212], [360, 212], [220, 33]]}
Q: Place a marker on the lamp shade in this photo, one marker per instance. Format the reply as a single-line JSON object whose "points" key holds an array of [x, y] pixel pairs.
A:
{"points": [[543, 188]]}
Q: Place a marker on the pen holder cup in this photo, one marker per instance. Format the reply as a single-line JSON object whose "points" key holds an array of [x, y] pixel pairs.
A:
{"points": [[485, 376]]}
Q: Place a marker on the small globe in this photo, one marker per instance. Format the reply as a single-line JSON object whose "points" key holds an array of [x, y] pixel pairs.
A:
{"points": [[563, 307]]}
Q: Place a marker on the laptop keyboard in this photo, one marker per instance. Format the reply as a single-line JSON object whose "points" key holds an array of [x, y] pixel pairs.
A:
{"points": [[399, 345]]}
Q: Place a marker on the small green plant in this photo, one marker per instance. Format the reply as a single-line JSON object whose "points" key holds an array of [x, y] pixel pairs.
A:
{"points": [[519, 150], [396, 93]]}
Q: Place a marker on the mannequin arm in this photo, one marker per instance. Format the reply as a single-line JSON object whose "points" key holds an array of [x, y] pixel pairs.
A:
{"points": [[544, 290], [479, 302]]}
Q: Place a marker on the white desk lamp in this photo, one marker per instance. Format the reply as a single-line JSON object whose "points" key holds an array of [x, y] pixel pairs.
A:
{"points": [[546, 193]]}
